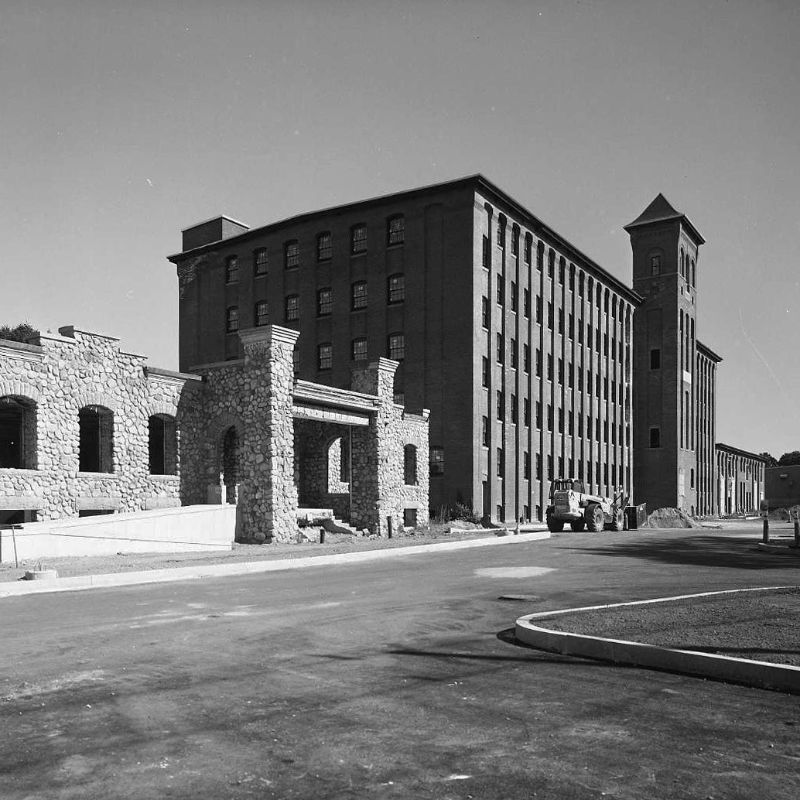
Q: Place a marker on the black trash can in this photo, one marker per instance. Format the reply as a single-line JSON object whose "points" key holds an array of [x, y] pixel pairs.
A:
{"points": [[635, 516]]}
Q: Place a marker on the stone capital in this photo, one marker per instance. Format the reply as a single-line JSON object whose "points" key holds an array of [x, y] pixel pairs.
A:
{"points": [[266, 335]]}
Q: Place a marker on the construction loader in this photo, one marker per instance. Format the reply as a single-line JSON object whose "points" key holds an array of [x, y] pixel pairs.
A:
{"points": [[570, 502]]}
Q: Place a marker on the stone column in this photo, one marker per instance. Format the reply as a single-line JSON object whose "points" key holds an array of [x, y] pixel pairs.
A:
{"points": [[377, 457], [267, 494]]}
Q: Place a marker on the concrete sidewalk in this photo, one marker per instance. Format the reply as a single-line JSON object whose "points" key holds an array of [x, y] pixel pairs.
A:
{"points": [[272, 562]]}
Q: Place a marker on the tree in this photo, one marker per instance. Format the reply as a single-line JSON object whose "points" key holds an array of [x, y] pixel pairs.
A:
{"points": [[18, 333], [771, 462], [789, 459]]}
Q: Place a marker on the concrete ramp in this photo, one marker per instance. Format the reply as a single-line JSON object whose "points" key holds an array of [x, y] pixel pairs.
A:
{"points": [[171, 530]]}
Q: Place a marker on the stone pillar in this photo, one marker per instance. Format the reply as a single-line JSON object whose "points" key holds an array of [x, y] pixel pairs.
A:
{"points": [[268, 495], [377, 457]]}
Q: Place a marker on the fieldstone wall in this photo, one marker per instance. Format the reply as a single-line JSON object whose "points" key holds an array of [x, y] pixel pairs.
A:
{"points": [[231, 430], [53, 377]]}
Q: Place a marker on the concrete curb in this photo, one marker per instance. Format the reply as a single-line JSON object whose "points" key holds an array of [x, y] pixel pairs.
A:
{"points": [[247, 567], [760, 674]]}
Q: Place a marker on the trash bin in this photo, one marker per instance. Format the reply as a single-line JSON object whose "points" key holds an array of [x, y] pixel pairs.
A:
{"points": [[635, 516]]}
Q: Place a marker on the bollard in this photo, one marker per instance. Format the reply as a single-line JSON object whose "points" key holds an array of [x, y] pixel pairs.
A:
{"points": [[797, 533], [389, 526], [322, 535], [765, 538]]}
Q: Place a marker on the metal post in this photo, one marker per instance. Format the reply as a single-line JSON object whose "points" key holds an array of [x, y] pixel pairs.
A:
{"points": [[389, 525], [797, 533], [322, 535], [765, 537]]}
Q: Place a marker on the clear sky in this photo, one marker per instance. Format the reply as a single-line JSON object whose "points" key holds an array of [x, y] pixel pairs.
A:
{"points": [[122, 122]]}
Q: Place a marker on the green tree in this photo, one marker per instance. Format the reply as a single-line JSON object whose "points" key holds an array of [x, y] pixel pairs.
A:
{"points": [[19, 333], [789, 459], [771, 461]]}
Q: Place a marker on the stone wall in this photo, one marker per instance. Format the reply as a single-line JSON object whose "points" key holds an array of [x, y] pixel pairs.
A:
{"points": [[54, 377]]}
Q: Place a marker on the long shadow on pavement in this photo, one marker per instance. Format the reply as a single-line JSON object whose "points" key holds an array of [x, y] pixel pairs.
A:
{"points": [[710, 551]]}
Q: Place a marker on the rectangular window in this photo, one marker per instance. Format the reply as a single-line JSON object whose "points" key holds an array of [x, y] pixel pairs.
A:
{"points": [[561, 370], [513, 296], [292, 307], [549, 417], [513, 409], [325, 356], [436, 460], [501, 411], [513, 353], [397, 346], [580, 331], [515, 242], [359, 295], [539, 309], [538, 468], [550, 316], [359, 350], [526, 303], [560, 421], [580, 425], [485, 372], [571, 428], [501, 234], [538, 363], [538, 415], [526, 466], [528, 247], [550, 367], [485, 312], [232, 319], [571, 376], [526, 357], [487, 253], [655, 265], [655, 358], [395, 230], [571, 328], [260, 261], [324, 246], [589, 382], [580, 379], [526, 411], [485, 429], [324, 302], [500, 460], [396, 288], [561, 321], [500, 291], [261, 313], [231, 269], [550, 467], [500, 349], [358, 239], [291, 254]]}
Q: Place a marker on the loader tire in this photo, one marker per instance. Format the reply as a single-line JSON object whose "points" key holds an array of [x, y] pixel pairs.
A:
{"points": [[554, 525], [595, 519], [578, 525]]}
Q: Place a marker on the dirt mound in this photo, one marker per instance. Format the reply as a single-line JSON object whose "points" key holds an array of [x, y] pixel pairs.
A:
{"points": [[671, 518]]}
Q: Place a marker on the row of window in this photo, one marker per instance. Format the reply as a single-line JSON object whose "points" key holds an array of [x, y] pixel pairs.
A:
{"points": [[395, 349], [395, 235], [395, 293], [599, 469], [686, 265], [593, 426]]}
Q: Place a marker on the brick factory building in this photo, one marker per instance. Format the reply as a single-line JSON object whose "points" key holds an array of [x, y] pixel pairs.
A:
{"points": [[519, 344]]}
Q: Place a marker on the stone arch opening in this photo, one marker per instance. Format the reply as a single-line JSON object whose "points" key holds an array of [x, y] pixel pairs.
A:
{"points": [[230, 464], [17, 432], [163, 444], [96, 439], [338, 465]]}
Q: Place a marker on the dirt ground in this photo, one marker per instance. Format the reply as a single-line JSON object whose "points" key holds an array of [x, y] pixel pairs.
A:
{"points": [[761, 626]]}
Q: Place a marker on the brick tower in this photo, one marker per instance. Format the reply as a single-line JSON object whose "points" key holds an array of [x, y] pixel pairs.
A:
{"points": [[665, 248]]}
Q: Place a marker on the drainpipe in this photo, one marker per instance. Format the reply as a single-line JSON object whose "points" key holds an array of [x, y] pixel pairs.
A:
{"points": [[350, 470]]}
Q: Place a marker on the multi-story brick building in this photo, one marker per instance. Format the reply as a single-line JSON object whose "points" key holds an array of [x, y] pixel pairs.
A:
{"points": [[741, 478], [675, 383], [518, 343]]}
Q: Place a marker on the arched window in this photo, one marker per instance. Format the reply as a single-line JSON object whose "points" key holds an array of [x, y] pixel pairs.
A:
{"points": [[338, 460], [410, 465], [681, 263], [17, 433], [96, 439], [163, 445]]}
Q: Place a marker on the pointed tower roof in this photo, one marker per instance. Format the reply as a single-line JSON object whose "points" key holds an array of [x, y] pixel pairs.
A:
{"points": [[661, 210]]}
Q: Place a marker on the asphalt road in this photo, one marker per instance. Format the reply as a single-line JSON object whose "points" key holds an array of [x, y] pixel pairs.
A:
{"points": [[387, 679]]}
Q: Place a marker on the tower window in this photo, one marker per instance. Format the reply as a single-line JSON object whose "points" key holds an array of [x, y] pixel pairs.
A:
{"points": [[655, 358], [655, 265], [655, 437]]}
